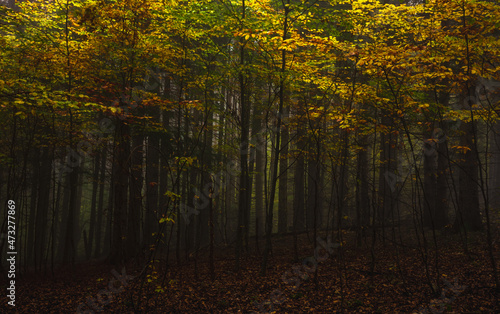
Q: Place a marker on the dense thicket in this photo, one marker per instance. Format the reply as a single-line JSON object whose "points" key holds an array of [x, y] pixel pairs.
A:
{"points": [[132, 128]]}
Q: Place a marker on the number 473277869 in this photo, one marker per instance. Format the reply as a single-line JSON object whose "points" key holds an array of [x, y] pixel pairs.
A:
{"points": [[11, 224]]}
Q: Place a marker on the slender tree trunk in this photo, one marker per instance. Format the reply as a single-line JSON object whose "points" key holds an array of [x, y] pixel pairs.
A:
{"points": [[33, 205], [277, 147], [441, 219], [312, 187], [64, 215], [152, 172], [283, 184], [109, 211], [468, 215], [135, 204], [299, 184], [442, 187], [244, 192], [388, 175], [430, 180], [89, 242], [494, 167], [211, 227], [362, 190], [206, 181], [43, 205], [100, 206], [343, 180], [169, 205], [259, 180], [77, 231], [120, 186]]}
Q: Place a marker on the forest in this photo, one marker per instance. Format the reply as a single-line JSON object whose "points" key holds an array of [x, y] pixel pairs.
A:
{"points": [[250, 156]]}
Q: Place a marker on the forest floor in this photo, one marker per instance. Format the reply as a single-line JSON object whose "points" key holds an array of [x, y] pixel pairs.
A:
{"points": [[344, 283]]}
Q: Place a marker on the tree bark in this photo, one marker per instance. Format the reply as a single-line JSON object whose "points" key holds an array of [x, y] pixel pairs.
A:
{"points": [[283, 184], [43, 205], [260, 164], [100, 206], [152, 172], [120, 186], [244, 192], [362, 189], [299, 183], [430, 180], [468, 215], [388, 175], [135, 204]]}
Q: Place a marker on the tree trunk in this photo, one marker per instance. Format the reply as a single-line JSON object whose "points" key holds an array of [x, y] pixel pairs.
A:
{"points": [[388, 175], [430, 180], [100, 206], [312, 188], [494, 168], [299, 183], [260, 164], [152, 172], [244, 192], [93, 206], [43, 205], [362, 190], [277, 146], [35, 181], [135, 204], [109, 211], [441, 184], [120, 186], [206, 181], [283, 184], [468, 215]]}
